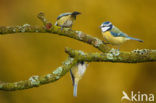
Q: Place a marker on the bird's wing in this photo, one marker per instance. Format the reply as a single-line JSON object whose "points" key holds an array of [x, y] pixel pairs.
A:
{"points": [[64, 14], [117, 33], [72, 77]]}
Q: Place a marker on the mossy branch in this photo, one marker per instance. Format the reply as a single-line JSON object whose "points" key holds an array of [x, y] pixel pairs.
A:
{"points": [[50, 28], [108, 55], [36, 80], [135, 56]]}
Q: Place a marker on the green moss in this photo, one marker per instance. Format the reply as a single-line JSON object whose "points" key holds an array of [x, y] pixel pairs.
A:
{"points": [[115, 52], [10, 86], [58, 71], [57, 77], [49, 76], [34, 80], [21, 85], [1, 86], [109, 56]]}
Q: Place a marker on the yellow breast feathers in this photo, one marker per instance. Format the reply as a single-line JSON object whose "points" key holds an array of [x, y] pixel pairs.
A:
{"points": [[113, 40], [65, 21]]}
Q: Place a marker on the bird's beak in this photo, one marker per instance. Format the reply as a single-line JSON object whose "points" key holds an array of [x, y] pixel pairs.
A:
{"points": [[78, 13]]}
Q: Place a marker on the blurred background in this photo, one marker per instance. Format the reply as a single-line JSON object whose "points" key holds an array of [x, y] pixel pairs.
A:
{"points": [[24, 55]]}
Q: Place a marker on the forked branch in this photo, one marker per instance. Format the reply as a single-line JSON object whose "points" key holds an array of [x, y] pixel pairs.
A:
{"points": [[75, 56]]}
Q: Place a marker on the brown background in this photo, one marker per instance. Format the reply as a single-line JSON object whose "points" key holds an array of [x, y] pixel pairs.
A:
{"points": [[24, 55]]}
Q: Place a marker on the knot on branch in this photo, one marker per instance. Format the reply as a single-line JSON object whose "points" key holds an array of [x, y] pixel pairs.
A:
{"points": [[41, 16], [46, 23]]}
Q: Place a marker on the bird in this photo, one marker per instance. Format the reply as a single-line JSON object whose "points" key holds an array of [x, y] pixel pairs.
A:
{"points": [[65, 20], [113, 35], [76, 73]]}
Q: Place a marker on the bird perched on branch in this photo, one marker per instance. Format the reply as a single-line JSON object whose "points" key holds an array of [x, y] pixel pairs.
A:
{"points": [[113, 35], [66, 20], [76, 74]]}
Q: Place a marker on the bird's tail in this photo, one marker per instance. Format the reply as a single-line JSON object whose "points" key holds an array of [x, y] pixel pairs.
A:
{"points": [[135, 39], [75, 90]]}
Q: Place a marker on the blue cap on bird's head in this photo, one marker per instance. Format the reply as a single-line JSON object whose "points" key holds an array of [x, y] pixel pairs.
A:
{"points": [[107, 23], [105, 26]]}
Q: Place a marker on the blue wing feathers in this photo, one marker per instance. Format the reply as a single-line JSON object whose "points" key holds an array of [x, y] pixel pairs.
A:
{"points": [[64, 14], [72, 77], [114, 34], [120, 34], [117, 33], [124, 35]]}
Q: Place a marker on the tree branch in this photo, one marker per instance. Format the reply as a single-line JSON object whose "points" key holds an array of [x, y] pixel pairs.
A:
{"points": [[135, 56], [36, 80], [108, 55], [49, 28]]}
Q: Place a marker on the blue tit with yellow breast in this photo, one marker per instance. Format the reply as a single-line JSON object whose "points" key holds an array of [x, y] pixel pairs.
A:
{"points": [[66, 20], [113, 35], [76, 74]]}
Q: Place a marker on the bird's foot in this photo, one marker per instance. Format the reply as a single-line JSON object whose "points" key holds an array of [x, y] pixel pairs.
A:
{"points": [[69, 29], [66, 29], [61, 28]]}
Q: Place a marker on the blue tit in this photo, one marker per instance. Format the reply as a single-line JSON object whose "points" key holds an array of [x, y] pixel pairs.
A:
{"points": [[76, 74], [66, 20], [113, 35]]}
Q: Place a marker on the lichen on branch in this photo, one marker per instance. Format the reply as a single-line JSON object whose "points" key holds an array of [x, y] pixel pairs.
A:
{"points": [[135, 56], [50, 28], [36, 80]]}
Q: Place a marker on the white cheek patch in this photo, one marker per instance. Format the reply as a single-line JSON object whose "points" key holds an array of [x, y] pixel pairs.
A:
{"points": [[104, 29]]}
